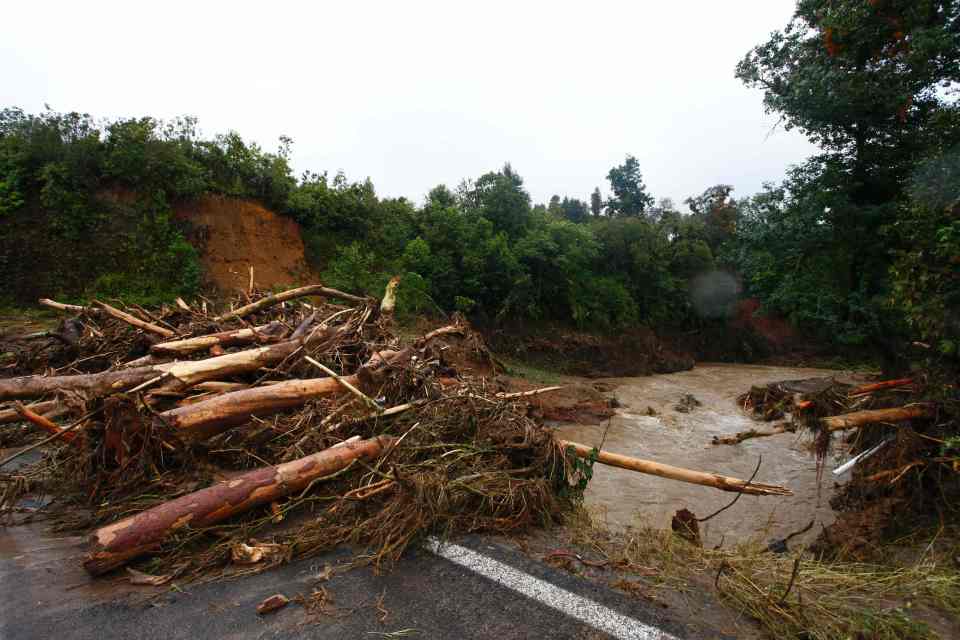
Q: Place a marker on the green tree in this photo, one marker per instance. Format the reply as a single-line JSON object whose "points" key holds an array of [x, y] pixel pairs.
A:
{"points": [[864, 81], [596, 202], [630, 197], [718, 213], [501, 199]]}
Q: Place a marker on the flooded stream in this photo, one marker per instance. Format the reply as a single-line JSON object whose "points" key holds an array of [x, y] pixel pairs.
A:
{"points": [[683, 439]]}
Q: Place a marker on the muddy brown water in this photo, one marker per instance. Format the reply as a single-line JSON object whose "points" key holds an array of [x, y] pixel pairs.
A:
{"points": [[625, 498]]}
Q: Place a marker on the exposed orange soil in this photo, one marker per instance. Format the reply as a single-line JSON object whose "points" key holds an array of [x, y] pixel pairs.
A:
{"points": [[233, 234]]}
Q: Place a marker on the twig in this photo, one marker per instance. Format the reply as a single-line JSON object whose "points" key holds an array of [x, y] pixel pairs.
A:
{"points": [[793, 577], [524, 394], [370, 402], [737, 497]]}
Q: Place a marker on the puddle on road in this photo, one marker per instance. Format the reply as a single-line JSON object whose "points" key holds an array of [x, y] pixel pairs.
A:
{"points": [[683, 439]]}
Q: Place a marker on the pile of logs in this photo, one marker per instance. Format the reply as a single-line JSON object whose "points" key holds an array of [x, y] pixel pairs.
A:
{"points": [[260, 380]]}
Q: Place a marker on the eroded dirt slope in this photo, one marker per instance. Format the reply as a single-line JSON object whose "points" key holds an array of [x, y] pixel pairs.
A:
{"points": [[233, 234]]}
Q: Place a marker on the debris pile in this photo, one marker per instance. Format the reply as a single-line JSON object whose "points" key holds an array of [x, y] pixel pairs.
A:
{"points": [[903, 455], [196, 442], [193, 442]]}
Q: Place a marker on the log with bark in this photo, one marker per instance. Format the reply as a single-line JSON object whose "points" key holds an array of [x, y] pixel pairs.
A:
{"points": [[117, 543], [858, 419], [292, 294], [102, 383], [715, 480]]}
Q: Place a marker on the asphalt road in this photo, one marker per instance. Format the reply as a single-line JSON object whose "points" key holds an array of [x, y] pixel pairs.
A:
{"points": [[486, 590]]}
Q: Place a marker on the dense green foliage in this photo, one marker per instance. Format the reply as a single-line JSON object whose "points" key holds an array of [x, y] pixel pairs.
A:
{"points": [[86, 205], [859, 243], [482, 249]]}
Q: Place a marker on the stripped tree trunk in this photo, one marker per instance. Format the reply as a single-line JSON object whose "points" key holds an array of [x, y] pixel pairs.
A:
{"points": [[59, 306], [879, 386], [717, 481], [43, 422], [268, 333], [115, 544], [859, 419], [215, 415]]}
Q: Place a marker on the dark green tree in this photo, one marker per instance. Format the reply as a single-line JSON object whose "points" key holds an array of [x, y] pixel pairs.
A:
{"points": [[596, 203], [865, 80], [501, 199], [630, 197], [574, 210]]}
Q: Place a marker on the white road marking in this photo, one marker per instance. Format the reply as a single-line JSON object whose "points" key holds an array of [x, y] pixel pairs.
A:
{"points": [[583, 609]]}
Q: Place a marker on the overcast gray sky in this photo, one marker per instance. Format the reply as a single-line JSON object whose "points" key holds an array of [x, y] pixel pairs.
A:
{"points": [[413, 94]]}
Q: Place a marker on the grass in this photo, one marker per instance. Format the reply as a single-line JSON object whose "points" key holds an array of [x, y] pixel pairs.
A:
{"points": [[791, 595]]}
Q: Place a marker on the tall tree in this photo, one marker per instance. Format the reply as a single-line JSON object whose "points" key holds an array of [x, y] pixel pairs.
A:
{"points": [[574, 210], [718, 213], [630, 197], [596, 202], [501, 199], [867, 81]]}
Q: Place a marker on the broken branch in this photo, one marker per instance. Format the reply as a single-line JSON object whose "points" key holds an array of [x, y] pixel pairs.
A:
{"points": [[291, 294], [136, 322], [717, 481]]}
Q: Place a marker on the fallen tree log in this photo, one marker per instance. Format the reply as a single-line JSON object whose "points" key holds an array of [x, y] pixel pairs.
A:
{"points": [[717, 481], [739, 437], [269, 301], [217, 414], [134, 321], [115, 544], [268, 333], [90, 383], [859, 419], [183, 374]]}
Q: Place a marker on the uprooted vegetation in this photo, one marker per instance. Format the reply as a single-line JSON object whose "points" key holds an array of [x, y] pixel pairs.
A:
{"points": [[403, 442], [395, 446], [902, 439]]}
